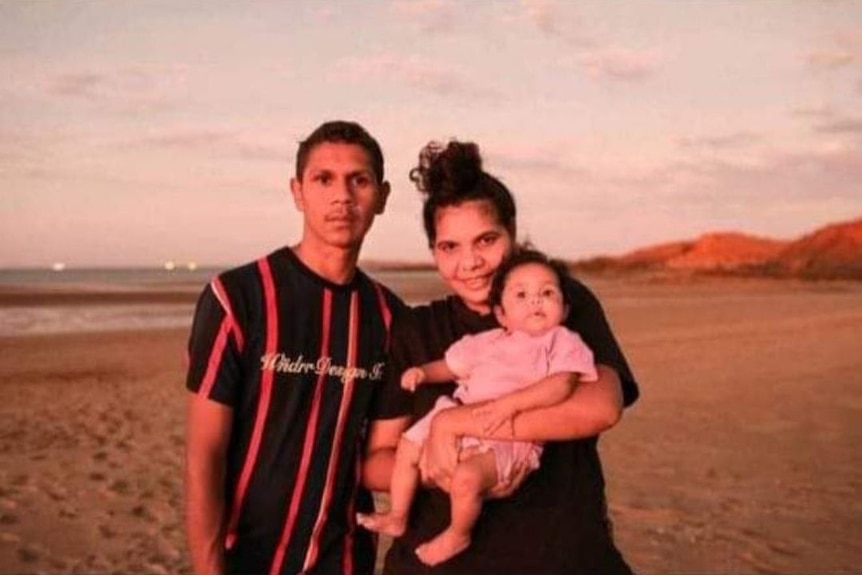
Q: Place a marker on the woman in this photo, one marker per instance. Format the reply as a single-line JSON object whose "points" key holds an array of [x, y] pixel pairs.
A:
{"points": [[556, 520]]}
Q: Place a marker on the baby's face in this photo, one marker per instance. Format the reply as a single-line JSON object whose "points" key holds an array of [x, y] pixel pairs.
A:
{"points": [[532, 300]]}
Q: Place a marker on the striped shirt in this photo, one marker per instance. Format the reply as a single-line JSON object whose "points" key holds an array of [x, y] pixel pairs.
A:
{"points": [[302, 362]]}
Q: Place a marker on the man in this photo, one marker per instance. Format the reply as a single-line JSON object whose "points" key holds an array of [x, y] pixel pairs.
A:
{"points": [[287, 357]]}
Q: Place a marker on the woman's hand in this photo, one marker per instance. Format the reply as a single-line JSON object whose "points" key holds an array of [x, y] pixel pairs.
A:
{"points": [[440, 454], [494, 414]]}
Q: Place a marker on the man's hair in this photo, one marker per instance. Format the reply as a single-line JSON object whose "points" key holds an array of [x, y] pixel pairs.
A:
{"points": [[341, 132], [524, 255]]}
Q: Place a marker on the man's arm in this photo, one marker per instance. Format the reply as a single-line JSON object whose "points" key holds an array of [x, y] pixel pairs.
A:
{"points": [[208, 431]]}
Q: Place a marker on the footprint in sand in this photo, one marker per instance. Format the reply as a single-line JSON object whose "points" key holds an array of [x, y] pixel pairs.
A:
{"points": [[30, 553], [120, 487], [68, 512], [142, 512]]}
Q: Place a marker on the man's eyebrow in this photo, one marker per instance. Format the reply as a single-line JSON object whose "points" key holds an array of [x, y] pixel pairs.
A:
{"points": [[365, 171]]}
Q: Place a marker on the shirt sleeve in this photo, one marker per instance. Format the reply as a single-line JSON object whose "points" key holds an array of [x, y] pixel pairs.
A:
{"points": [[214, 355], [460, 356], [587, 318], [569, 353], [391, 400]]}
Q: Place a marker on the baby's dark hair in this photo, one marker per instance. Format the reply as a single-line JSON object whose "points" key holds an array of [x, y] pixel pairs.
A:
{"points": [[524, 255], [451, 175], [341, 132]]}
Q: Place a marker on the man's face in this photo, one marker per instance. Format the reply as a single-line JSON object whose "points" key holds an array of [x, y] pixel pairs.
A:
{"points": [[338, 195]]}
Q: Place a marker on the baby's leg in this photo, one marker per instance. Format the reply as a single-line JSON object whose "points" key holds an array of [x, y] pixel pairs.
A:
{"points": [[405, 478], [471, 480]]}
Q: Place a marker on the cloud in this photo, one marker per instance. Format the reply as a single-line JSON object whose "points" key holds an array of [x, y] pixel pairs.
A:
{"points": [[829, 60], [428, 15], [554, 19], [83, 84], [414, 72], [537, 162], [544, 14], [619, 64], [820, 112], [27, 154], [127, 89], [845, 126], [810, 175], [323, 14], [846, 49], [733, 141], [223, 143], [828, 120]]}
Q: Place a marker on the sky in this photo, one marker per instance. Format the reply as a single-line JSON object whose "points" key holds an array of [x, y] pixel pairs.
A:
{"points": [[135, 132]]}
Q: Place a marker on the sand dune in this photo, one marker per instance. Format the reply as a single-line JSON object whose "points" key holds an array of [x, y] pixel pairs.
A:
{"points": [[742, 455]]}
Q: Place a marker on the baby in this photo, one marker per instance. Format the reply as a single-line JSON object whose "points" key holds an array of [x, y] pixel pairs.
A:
{"points": [[503, 371]]}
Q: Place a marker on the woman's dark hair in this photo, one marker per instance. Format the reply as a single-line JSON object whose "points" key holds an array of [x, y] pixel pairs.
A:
{"points": [[523, 255], [341, 132], [452, 175]]}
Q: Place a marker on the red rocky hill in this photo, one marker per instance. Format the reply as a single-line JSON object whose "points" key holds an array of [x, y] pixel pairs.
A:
{"points": [[831, 252]]}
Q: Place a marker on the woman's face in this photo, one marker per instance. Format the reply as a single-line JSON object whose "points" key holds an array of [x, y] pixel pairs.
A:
{"points": [[469, 247]]}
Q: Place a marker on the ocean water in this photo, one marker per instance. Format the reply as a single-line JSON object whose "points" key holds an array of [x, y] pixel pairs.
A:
{"points": [[18, 320], [117, 277], [88, 317], [35, 320]]}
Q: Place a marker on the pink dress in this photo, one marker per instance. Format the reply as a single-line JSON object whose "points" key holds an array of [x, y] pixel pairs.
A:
{"points": [[494, 363]]}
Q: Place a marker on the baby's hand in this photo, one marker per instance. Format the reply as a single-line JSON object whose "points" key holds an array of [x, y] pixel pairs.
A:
{"points": [[495, 414], [412, 378]]}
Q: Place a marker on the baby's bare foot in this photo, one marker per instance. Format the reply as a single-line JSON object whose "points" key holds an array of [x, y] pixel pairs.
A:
{"points": [[385, 523], [445, 546]]}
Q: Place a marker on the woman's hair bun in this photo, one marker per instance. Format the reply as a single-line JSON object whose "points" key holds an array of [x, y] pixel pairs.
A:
{"points": [[450, 171]]}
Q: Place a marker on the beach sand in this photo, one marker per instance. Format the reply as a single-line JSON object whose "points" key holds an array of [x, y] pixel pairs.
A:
{"points": [[741, 456]]}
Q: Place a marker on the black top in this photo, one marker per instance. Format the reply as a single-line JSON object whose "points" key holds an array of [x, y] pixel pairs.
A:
{"points": [[556, 522], [302, 362]]}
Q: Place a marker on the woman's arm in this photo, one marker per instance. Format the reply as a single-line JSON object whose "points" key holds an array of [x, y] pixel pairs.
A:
{"points": [[592, 408], [543, 393], [207, 435], [383, 437]]}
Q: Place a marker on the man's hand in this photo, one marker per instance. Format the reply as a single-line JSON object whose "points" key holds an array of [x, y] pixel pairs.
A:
{"points": [[412, 378]]}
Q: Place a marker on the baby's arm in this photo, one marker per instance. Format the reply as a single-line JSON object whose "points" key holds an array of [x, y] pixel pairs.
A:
{"points": [[543, 393], [432, 372]]}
